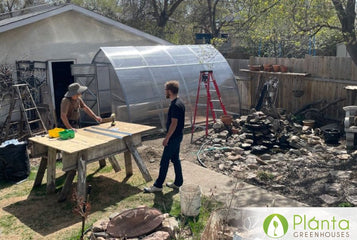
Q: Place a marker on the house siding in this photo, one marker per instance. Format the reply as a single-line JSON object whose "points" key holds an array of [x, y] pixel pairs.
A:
{"points": [[70, 35]]}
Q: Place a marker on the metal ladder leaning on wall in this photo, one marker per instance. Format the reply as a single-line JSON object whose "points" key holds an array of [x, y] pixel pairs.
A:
{"points": [[206, 77], [29, 111]]}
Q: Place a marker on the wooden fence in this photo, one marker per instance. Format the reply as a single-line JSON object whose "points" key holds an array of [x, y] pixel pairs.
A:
{"points": [[316, 78]]}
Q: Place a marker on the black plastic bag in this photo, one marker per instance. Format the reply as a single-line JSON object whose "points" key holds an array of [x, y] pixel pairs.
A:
{"points": [[14, 162]]}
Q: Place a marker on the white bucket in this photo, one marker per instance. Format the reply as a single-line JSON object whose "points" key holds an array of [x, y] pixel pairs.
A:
{"points": [[190, 198]]}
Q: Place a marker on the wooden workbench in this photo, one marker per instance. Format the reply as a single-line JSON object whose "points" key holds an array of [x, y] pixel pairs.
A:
{"points": [[89, 144]]}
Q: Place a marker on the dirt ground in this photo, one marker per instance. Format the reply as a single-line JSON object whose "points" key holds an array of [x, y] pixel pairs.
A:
{"points": [[152, 147], [315, 171]]}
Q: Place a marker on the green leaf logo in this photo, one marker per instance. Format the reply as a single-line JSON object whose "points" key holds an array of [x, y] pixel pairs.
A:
{"points": [[275, 226]]}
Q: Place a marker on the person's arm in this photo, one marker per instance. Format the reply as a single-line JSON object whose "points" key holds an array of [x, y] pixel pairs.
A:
{"points": [[91, 113], [171, 130], [65, 121]]}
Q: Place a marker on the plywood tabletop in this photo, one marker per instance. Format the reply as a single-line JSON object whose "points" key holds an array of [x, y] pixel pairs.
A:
{"points": [[84, 139]]}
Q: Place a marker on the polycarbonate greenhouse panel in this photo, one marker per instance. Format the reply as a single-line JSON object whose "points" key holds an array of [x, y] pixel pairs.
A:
{"points": [[137, 87]]}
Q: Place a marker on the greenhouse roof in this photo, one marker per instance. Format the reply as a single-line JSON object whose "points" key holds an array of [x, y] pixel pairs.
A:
{"points": [[140, 72]]}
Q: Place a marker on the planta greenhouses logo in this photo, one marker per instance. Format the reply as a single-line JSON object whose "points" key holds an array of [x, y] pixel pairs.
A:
{"points": [[275, 226]]}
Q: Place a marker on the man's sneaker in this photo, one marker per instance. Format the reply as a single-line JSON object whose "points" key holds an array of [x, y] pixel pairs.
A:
{"points": [[152, 189], [172, 185]]}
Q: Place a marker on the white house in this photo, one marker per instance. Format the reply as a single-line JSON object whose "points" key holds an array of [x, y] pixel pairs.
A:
{"points": [[44, 41]]}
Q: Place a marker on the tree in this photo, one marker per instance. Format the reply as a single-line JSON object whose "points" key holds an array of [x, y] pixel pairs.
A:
{"points": [[346, 12], [12, 5], [162, 10]]}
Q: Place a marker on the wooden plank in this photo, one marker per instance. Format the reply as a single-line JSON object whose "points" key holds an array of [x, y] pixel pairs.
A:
{"points": [[40, 172], [51, 170], [139, 162], [69, 161], [276, 73], [128, 164], [38, 150], [84, 140]]}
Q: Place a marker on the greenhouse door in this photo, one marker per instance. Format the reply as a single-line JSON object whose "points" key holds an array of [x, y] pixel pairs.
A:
{"points": [[86, 75]]}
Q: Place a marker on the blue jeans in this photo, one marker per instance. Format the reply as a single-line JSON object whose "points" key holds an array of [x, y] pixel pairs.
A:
{"points": [[171, 152]]}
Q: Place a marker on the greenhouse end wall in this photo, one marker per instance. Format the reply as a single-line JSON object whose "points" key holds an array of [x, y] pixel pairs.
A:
{"points": [[139, 74]]}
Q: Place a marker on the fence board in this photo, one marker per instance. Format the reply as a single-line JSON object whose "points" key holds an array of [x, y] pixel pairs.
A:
{"points": [[329, 76], [338, 68]]}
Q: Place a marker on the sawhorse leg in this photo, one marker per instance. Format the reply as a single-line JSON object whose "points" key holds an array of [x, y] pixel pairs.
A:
{"points": [[67, 185], [128, 164], [82, 174], [143, 169], [51, 170], [102, 163], [114, 163], [40, 172]]}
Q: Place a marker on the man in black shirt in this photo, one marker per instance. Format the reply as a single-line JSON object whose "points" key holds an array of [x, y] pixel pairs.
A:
{"points": [[174, 125]]}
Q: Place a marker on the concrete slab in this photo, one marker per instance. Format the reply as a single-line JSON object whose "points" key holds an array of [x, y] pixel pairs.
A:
{"points": [[223, 188]]}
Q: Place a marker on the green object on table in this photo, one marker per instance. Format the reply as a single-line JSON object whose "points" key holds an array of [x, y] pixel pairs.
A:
{"points": [[68, 133]]}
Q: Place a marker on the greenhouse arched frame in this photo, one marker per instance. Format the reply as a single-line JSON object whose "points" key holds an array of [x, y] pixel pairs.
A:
{"points": [[131, 81]]}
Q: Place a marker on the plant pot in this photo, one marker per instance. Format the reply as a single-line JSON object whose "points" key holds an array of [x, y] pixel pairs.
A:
{"points": [[331, 135], [283, 68], [276, 68], [309, 123], [255, 67], [226, 119], [268, 67]]}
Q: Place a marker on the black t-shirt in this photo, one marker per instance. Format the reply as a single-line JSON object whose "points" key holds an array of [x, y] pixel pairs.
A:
{"points": [[176, 110]]}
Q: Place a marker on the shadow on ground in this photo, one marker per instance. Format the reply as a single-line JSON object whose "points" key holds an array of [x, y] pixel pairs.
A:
{"points": [[43, 214], [164, 201]]}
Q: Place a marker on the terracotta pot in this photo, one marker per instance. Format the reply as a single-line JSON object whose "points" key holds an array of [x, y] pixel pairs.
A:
{"points": [[268, 67], [226, 119], [309, 123], [255, 67], [276, 68], [283, 68]]}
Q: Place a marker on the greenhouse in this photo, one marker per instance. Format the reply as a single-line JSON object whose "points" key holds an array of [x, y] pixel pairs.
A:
{"points": [[131, 80]]}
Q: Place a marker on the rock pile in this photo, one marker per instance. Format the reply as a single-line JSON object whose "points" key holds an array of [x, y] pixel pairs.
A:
{"points": [[285, 157]]}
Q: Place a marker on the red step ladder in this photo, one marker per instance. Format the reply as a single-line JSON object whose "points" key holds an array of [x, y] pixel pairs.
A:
{"points": [[206, 77]]}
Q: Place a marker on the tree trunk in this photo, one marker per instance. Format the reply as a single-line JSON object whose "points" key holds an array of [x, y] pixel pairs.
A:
{"points": [[352, 50], [347, 17]]}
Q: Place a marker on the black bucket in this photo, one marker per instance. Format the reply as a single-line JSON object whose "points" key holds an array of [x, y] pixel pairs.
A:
{"points": [[331, 136]]}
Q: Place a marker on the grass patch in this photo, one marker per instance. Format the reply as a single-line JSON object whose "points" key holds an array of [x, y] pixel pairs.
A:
{"points": [[37, 215], [6, 222], [265, 176], [345, 204], [193, 225]]}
